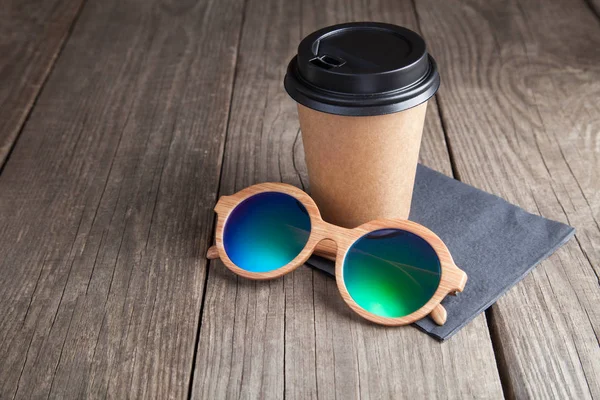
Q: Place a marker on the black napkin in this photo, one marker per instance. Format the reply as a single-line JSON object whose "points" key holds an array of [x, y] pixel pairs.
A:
{"points": [[493, 241]]}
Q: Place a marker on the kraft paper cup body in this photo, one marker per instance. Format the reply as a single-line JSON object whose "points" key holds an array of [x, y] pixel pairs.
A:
{"points": [[362, 168]]}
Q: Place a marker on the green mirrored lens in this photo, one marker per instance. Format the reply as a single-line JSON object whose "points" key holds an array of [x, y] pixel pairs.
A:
{"points": [[391, 272]]}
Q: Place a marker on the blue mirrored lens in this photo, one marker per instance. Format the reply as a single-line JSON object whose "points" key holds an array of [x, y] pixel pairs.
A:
{"points": [[266, 231], [391, 272]]}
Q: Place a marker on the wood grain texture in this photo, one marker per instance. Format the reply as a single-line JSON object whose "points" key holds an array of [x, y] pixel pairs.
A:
{"points": [[31, 36], [521, 84], [295, 336], [106, 203]]}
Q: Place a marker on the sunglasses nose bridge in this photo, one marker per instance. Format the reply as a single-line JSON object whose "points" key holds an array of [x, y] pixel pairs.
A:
{"points": [[329, 238], [338, 234], [333, 231]]}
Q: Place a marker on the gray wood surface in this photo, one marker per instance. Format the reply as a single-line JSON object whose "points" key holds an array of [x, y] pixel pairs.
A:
{"points": [[295, 337], [154, 108], [106, 203], [521, 104], [31, 36]]}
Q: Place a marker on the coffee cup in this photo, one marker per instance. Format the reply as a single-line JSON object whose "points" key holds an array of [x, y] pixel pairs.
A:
{"points": [[362, 92]]}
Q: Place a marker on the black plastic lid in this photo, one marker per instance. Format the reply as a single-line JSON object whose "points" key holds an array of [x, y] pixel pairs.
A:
{"points": [[362, 68]]}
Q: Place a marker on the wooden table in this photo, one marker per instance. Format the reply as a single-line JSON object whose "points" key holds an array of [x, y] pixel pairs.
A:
{"points": [[122, 121]]}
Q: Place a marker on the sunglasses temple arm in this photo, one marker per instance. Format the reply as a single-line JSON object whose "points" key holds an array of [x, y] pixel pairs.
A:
{"points": [[439, 315], [213, 253]]}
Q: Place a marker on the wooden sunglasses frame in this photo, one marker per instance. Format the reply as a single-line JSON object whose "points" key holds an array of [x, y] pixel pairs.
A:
{"points": [[332, 242]]}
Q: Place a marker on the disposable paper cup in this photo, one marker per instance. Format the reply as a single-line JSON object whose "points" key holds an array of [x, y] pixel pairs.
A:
{"points": [[362, 91]]}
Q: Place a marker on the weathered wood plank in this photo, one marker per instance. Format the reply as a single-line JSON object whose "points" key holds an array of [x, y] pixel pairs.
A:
{"points": [[295, 337], [520, 106], [106, 203], [31, 36], [241, 347]]}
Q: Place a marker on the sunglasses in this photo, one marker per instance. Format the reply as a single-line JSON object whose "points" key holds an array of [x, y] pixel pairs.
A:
{"points": [[391, 272]]}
